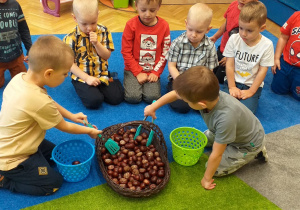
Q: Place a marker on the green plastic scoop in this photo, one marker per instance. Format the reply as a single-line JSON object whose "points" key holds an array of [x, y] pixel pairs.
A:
{"points": [[110, 144]]}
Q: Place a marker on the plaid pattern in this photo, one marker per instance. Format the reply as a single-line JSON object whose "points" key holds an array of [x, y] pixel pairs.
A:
{"points": [[186, 56], [86, 57]]}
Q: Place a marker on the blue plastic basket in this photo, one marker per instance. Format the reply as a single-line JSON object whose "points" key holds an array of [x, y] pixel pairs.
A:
{"points": [[73, 150]]}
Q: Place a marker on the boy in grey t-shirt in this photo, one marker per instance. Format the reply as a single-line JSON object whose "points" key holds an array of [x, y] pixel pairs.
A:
{"points": [[236, 135]]}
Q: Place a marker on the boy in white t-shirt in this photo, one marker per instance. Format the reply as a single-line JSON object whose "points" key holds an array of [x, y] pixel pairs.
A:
{"points": [[249, 54]]}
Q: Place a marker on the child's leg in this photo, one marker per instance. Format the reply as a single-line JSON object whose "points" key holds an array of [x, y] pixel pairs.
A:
{"points": [[17, 66], [252, 102], [34, 176], [281, 83], [178, 105], [90, 96], [113, 93], [295, 86], [220, 70], [132, 88], [151, 91], [234, 158]]}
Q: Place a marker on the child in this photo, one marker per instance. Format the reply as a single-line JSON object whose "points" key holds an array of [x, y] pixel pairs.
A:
{"points": [[13, 32], [248, 55], [192, 48], [228, 28], [145, 42], [92, 45], [27, 112], [287, 77], [235, 134]]}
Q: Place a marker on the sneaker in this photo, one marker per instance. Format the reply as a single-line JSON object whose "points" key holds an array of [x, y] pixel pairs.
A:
{"points": [[1, 180], [262, 155]]}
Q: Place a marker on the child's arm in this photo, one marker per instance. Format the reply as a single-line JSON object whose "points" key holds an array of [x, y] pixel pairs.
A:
{"points": [[173, 69], [127, 51], [102, 51], [283, 39], [262, 72], [230, 67], [90, 80], [219, 33], [212, 165], [160, 65], [74, 128], [165, 99]]}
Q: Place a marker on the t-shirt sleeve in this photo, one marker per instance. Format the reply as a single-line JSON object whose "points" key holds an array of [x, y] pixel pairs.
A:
{"points": [[286, 28], [48, 115], [229, 48], [225, 131], [173, 53], [268, 56]]}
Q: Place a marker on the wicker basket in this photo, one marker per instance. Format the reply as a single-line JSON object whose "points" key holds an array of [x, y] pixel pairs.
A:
{"points": [[158, 142]]}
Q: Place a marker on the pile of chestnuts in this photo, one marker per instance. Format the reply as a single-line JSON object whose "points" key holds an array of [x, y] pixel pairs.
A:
{"points": [[135, 166]]}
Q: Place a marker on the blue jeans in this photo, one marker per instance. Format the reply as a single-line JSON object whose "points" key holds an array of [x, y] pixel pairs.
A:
{"points": [[287, 80], [252, 102]]}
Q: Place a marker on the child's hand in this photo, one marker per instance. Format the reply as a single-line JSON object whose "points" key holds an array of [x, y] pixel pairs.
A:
{"points": [[152, 78], [26, 59], [79, 117], [142, 78], [94, 133], [213, 39], [222, 62], [246, 94], [93, 38], [93, 81], [208, 184], [149, 111], [235, 92], [276, 66]]}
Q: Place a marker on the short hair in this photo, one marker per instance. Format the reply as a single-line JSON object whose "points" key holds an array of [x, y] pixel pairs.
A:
{"points": [[49, 52], [197, 84], [201, 13], [85, 7], [148, 1], [254, 11]]}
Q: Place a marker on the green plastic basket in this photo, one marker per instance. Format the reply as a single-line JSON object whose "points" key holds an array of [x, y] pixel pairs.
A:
{"points": [[187, 145]]}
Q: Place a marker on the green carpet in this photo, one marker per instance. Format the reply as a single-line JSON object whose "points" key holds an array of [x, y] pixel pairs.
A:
{"points": [[183, 191]]}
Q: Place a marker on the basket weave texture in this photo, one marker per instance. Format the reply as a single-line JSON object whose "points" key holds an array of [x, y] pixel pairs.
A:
{"points": [[158, 142]]}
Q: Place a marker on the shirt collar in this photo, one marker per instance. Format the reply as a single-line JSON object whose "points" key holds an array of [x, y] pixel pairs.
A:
{"points": [[80, 33]]}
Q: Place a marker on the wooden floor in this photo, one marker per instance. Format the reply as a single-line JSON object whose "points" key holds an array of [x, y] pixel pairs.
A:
{"points": [[43, 23]]}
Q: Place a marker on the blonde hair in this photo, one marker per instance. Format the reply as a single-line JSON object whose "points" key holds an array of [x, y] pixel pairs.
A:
{"points": [[49, 52], [148, 1], [254, 11], [201, 13], [82, 8], [196, 84]]}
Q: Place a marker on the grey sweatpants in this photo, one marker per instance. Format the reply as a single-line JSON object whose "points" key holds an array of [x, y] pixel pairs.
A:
{"points": [[135, 92], [233, 157]]}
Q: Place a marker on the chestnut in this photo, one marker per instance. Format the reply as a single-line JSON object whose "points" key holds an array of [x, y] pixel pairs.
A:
{"points": [[121, 131], [123, 185], [129, 184], [153, 179], [143, 185], [135, 183], [160, 164], [156, 154], [115, 180], [110, 167], [147, 175], [115, 174], [139, 138], [103, 150], [133, 130], [144, 135], [161, 173], [153, 172], [152, 186], [144, 142], [138, 188], [158, 181], [76, 162], [108, 161], [123, 181], [126, 168], [146, 181], [122, 142], [127, 175]]}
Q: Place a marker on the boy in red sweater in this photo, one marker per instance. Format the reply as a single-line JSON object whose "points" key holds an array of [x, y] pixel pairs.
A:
{"points": [[145, 42]]}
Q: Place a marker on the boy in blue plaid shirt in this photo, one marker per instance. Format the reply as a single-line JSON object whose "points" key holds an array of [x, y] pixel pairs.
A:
{"points": [[192, 48]]}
